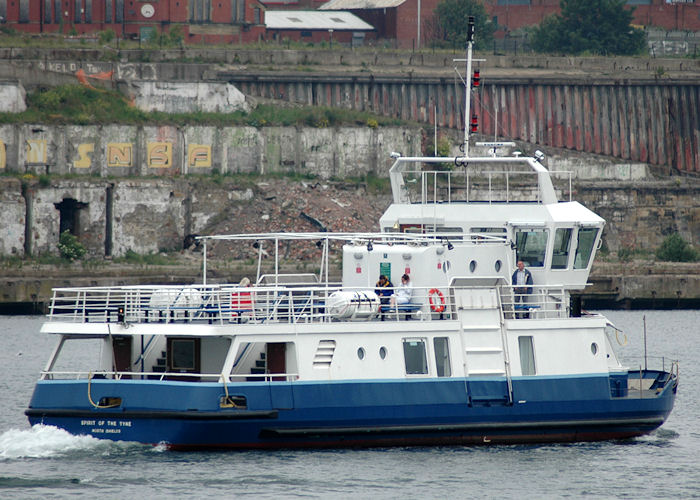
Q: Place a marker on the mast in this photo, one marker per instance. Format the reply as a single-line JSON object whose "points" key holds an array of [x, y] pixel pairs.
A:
{"points": [[468, 84]]}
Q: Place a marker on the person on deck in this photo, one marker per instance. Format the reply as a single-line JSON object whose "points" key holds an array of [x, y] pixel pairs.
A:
{"points": [[522, 281], [384, 289], [404, 292]]}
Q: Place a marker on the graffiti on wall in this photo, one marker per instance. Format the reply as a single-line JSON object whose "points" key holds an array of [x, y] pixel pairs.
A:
{"points": [[117, 154]]}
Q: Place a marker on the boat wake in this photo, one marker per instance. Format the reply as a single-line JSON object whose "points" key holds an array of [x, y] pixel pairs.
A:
{"points": [[43, 441]]}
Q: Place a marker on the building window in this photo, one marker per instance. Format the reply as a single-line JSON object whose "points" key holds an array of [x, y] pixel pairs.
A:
{"points": [[414, 356], [527, 356], [442, 356]]}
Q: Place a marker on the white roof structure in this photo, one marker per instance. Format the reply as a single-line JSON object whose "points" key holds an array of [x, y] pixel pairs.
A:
{"points": [[314, 20], [360, 4]]}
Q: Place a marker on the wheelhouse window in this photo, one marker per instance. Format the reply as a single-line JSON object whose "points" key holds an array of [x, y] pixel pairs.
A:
{"points": [[442, 356], [562, 244], [414, 356], [527, 355], [584, 249], [530, 246]]}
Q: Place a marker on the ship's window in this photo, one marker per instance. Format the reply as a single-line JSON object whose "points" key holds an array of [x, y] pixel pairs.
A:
{"points": [[487, 234], [361, 353], [530, 246], [562, 243], [594, 348], [183, 354], [442, 356], [414, 356], [584, 249], [497, 265], [382, 352], [472, 266], [430, 228], [527, 355]]}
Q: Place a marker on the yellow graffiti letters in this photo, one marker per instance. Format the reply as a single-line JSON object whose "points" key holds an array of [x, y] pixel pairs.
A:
{"points": [[160, 154], [36, 151], [84, 151], [199, 155], [119, 154]]}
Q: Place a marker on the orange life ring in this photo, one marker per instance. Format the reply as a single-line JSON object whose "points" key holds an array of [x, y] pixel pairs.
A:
{"points": [[436, 305]]}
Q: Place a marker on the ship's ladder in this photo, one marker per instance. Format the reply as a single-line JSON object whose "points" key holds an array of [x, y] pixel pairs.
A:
{"points": [[484, 339]]}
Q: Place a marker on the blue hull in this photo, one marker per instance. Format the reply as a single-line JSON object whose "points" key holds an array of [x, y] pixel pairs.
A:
{"points": [[354, 413]]}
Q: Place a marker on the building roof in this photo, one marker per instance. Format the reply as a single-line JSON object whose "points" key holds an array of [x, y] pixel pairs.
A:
{"points": [[314, 20], [360, 4]]}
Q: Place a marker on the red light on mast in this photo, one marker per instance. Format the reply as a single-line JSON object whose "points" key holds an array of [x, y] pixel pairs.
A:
{"points": [[474, 124], [476, 79]]}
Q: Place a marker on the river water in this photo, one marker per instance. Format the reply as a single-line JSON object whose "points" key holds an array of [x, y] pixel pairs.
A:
{"points": [[44, 462]]}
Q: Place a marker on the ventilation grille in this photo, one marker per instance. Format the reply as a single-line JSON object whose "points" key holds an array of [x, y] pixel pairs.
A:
{"points": [[324, 354]]}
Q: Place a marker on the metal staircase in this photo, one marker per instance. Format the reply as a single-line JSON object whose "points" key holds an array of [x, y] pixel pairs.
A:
{"points": [[485, 353]]}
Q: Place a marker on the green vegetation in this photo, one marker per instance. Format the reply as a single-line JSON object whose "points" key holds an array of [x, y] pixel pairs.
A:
{"points": [[149, 259], [451, 20], [78, 105], [69, 246], [675, 249], [601, 27]]}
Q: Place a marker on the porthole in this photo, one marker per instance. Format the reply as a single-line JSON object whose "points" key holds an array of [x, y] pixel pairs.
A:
{"points": [[472, 266], [361, 353], [594, 348], [497, 265], [382, 352]]}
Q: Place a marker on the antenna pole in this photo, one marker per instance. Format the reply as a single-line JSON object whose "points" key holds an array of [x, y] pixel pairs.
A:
{"points": [[468, 84]]}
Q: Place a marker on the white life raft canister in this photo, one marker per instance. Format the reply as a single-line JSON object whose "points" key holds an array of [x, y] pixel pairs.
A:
{"points": [[359, 305]]}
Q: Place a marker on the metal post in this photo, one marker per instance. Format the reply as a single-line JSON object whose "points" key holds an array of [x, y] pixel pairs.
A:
{"points": [[468, 85], [644, 319], [204, 263]]}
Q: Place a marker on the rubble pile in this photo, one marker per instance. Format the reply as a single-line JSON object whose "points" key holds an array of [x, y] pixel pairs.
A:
{"points": [[286, 205]]}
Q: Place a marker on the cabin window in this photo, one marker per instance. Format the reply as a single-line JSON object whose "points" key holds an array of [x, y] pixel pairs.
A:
{"points": [[414, 356], [183, 355], [361, 353], [442, 356], [530, 246], [527, 355], [488, 234], [382, 352], [562, 243], [584, 249]]}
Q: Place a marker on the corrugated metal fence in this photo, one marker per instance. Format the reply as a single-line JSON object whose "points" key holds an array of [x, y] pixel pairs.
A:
{"points": [[654, 121]]}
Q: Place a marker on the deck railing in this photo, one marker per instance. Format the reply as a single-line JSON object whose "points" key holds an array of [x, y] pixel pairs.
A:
{"points": [[219, 304]]}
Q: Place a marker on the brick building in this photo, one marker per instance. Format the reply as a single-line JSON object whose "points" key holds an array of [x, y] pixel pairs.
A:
{"points": [[683, 15], [215, 21], [406, 22]]}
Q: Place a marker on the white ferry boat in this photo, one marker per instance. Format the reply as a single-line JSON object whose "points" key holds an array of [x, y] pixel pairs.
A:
{"points": [[296, 360]]}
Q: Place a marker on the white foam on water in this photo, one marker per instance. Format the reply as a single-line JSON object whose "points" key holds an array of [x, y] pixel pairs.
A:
{"points": [[42, 441]]}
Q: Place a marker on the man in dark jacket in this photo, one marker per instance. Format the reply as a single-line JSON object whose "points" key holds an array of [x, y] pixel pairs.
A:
{"points": [[384, 289], [522, 281]]}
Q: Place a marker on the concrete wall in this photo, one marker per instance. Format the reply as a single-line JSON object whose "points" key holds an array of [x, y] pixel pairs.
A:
{"points": [[115, 150]]}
